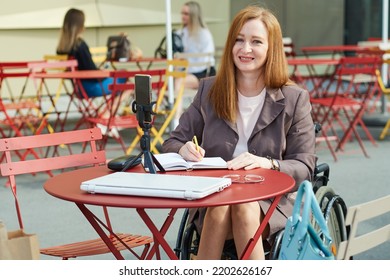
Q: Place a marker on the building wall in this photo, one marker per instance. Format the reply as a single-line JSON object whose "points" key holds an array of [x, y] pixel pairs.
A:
{"points": [[30, 29], [307, 22]]}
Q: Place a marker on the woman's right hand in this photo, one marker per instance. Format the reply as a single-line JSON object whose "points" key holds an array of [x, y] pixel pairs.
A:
{"points": [[188, 152]]}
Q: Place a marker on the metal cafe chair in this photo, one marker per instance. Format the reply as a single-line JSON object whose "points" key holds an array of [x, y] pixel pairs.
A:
{"points": [[344, 108], [358, 214], [82, 139], [45, 92], [20, 111]]}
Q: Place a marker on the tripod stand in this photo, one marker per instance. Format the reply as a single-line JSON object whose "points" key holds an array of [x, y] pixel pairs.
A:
{"points": [[150, 161]]}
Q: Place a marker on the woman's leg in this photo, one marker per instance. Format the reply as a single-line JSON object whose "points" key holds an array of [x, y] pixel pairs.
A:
{"points": [[216, 229], [245, 221]]}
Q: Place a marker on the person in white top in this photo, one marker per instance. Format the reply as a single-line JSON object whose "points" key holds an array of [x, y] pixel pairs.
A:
{"points": [[196, 38]]}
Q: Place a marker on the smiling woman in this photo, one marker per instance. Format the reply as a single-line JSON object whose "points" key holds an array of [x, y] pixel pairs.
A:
{"points": [[264, 120]]}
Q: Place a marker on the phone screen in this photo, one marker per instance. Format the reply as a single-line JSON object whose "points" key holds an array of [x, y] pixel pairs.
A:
{"points": [[143, 93]]}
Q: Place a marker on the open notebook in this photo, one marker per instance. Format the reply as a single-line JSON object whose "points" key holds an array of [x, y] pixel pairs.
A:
{"points": [[174, 161], [157, 185]]}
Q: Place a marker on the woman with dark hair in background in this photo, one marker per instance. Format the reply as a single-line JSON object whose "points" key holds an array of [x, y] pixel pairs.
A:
{"points": [[72, 44]]}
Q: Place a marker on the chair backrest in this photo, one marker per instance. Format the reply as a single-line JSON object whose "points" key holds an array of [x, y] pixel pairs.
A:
{"points": [[50, 66], [14, 77], [54, 65], [16, 149], [55, 57], [85, 136], [99, 54], [352, 65], [45, 90], [357, 70], [364, 212], [19, 105]]}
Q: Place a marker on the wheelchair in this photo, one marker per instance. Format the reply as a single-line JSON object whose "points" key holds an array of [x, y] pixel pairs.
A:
{"points": [[332, 206]]}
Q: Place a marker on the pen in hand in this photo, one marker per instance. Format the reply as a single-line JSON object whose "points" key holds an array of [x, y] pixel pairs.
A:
{"points": [[195, 140]]}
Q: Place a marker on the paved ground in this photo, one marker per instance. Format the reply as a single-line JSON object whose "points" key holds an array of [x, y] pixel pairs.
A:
{"points": [[356, 178]]}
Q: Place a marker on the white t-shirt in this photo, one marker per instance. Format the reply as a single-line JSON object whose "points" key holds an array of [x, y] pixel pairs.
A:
{"points": [[249, 109], [200, 43]]}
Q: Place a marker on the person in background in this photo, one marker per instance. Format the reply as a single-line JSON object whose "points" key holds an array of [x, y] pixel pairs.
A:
{"points": [[72, 44], [253, 116], [196, 38]]}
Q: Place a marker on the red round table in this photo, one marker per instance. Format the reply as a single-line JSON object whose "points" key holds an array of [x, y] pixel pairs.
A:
{"points": [[66, 186]]}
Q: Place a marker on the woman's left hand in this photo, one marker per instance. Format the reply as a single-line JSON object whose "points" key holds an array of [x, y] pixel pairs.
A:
{"points": [[249, 161]]}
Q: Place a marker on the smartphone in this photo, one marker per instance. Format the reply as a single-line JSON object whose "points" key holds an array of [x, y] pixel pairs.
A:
{"points": [[143, 96]]}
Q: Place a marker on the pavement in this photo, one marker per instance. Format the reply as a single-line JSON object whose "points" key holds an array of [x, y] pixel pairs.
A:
{"points": [[356, 178]]}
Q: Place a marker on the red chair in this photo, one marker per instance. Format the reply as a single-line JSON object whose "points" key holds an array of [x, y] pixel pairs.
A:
{"points": [[116, 121], [355, 85], [47, 93], [19, 105], [20, 109], [94, 157]]}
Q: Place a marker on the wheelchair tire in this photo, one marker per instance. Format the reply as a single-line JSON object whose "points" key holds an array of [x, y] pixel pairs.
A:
{"points": [[190, 242], [334, 211]]}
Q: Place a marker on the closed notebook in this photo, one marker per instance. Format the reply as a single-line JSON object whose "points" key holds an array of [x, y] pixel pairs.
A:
{"points": [[157, 185], [174, 161]]}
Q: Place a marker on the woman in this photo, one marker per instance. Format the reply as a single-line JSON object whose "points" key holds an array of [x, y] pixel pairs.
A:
{"points": [[72, 44], [262, 119], [196, 38]]}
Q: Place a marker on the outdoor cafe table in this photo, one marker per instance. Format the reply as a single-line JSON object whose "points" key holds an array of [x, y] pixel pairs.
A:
{"points": [[66, 186]]}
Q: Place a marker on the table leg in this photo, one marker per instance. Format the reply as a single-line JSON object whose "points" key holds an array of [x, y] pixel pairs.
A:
{"points": [[158, 235], [252, 242], [90, 217]]}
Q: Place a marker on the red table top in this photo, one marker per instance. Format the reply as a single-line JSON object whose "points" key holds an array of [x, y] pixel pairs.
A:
{"points": [[333, 48], [66, 186]]}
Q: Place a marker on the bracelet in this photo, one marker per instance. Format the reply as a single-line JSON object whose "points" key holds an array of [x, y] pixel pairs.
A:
{"points": [[274, 163]]}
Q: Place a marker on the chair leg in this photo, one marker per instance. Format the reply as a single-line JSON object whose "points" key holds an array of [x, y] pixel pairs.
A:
{"points": [[385, 130]]}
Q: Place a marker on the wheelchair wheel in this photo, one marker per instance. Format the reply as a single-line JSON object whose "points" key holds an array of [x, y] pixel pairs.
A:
{"points": [[190, 243], [187, 241], [334, 209], [178, 249], [276, 245]]}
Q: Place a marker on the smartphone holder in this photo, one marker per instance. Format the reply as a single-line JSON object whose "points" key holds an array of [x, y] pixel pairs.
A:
{"points": [[144, 113]]}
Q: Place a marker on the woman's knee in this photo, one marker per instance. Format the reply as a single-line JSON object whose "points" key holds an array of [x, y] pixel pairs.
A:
{"points": [[247, 212], [217, 213]]}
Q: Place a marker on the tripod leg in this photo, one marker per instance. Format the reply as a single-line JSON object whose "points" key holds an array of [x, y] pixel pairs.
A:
{"points": [[129, 163], [157, 163], [148, 162]]}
